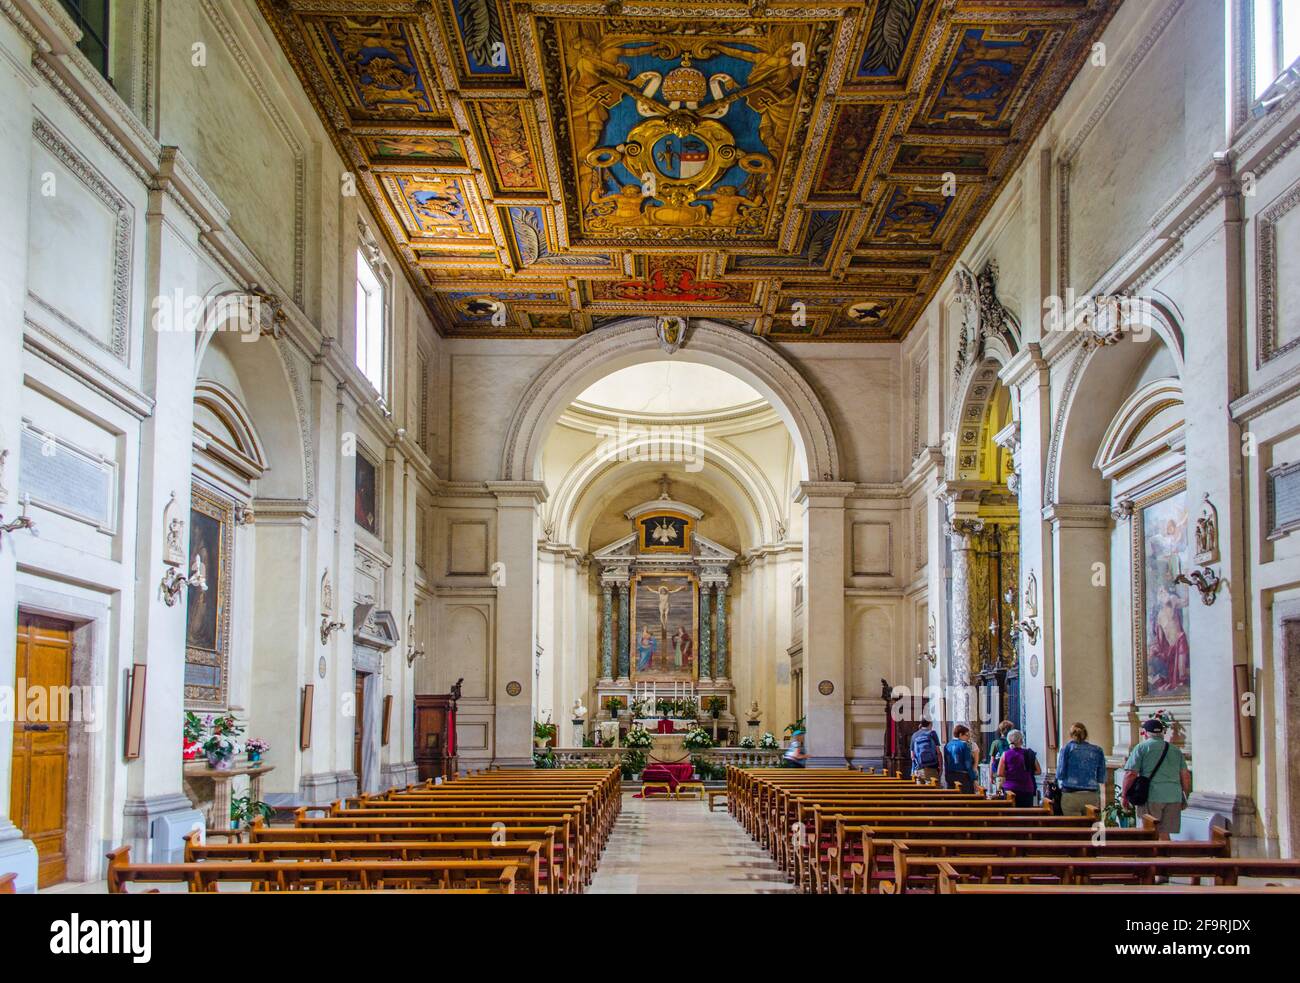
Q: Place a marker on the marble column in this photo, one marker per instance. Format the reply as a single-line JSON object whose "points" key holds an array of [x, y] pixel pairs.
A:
{"points": [[706, 632], [624, 641], [607, 632], [962, 532], [720, 647]]}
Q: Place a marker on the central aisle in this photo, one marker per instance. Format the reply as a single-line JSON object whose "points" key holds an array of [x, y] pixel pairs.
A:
{"points": [[669, 846]]}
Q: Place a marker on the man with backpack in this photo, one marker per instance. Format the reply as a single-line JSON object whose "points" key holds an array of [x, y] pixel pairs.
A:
{"points": [[1157, 782], [927, 756]]}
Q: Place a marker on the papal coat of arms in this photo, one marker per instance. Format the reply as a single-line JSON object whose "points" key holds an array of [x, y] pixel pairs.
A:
{"points": [[678, 136]]}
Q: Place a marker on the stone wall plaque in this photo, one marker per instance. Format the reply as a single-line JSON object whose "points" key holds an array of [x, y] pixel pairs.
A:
{"points": [[513, 688], [65, 479], [825, 687], [1283, 500]]}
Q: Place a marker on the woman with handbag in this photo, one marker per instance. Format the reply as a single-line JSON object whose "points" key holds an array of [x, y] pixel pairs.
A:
{"points": [[1017, 768]]}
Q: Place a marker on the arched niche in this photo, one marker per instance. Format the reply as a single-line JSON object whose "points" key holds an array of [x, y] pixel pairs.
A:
{"points": [[634, 340]]}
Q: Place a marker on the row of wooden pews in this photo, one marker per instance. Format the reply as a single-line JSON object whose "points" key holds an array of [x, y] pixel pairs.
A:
{"points": [[500, 832], [843, 831]]}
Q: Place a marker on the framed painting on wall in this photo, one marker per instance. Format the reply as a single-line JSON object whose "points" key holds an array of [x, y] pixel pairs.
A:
{"points": [[665, 619], [207, 612], [367, 495], [1161, 645]]}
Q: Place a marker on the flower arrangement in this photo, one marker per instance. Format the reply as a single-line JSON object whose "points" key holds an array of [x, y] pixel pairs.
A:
{"points": [[614, 704], [641, 707], [768, 741], [633, 763], [1166, 718], [747, 742], [665, 707], [686, 709], [706, 769], [638, 737], [697, 739], [715, 705], [255, 748], [220, 745]]}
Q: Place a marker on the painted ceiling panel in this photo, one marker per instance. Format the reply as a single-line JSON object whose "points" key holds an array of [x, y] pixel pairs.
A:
{"points": [[796, 168]]}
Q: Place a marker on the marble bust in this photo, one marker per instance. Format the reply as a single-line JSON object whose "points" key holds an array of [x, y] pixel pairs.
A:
{"points": [[579, 712]]}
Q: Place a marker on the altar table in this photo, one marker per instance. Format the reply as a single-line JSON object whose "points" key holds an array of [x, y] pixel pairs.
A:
{"points": [[673, 774]]}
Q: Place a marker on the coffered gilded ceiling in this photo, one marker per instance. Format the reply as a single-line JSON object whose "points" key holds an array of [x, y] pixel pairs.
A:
{"points": [[802, 170]]}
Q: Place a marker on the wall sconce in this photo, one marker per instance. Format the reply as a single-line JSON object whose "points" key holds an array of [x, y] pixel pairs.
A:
{"points": [[413, 651], [931, 653], [22, 522], [1026, 626], [327, 627], [173, 583], [1205, 580]]}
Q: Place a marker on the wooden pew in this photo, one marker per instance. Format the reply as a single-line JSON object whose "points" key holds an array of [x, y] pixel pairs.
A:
{"points": [[1074, 871], [7, 882], [525, 854], [498, 876], [553, 850], [915, 861]]}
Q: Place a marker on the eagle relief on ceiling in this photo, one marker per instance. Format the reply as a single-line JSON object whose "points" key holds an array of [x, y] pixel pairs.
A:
{"points": [[802, 169]]}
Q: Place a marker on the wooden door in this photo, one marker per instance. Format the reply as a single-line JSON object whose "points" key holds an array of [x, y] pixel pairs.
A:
{"points": [[358, 724], [39, 784]]}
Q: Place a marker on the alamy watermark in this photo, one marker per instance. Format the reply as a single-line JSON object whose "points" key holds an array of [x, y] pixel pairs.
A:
{"points": [[654, 443]]}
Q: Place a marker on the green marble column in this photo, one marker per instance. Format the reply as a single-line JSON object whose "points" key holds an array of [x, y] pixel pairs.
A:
{"points": [[706, 633], [624, 626], [720, 647], [607, 633]]}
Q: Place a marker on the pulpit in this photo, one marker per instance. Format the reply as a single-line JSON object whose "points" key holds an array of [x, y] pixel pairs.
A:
{"points": [[435, 735]]}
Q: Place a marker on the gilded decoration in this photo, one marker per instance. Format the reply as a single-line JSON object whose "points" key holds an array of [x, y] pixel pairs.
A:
{"points": [[798, 169]]}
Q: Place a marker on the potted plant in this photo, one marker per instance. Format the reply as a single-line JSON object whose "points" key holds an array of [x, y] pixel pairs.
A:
{"points": [[638, 737], [715, 705], [256, 747], [1117, 814], [244, 809], [768, 741], [686, 709], [747, 742], [665, 707], [543, 733], [191, 736], [615, 706]]}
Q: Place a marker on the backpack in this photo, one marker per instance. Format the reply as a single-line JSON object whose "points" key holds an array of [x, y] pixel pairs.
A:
{"points": [[925, 749]]}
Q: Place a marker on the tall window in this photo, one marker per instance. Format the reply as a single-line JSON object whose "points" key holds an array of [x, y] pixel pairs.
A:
{"points": [[92, 17], [1276, 41], [370, 324]]}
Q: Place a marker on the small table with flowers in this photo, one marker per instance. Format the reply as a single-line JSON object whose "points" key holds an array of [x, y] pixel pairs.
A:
{"points": [[219, 815]]}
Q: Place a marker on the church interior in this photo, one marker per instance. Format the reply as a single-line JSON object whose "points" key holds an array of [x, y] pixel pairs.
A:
{"points": [[565, 446]]}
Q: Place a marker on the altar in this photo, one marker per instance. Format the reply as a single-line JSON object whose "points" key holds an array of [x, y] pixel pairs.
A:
{"points": [[669, 748]]}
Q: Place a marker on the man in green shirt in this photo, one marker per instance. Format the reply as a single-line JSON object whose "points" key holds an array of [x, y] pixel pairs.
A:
{"points": [[1170, 783]]}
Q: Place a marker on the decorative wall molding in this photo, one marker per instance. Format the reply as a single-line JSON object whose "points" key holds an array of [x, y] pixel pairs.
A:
{"points": [[1266, 269], [99, 186]]}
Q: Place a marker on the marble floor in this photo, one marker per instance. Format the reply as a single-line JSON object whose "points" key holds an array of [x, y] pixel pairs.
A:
{"points": [[666, 846]]}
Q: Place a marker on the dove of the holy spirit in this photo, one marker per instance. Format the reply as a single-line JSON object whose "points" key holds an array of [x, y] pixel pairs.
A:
{"points": [[664, 533]]}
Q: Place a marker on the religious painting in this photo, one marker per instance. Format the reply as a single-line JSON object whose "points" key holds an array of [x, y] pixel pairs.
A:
{"points": [[893, 25], [1162, 647], [510, 138], [376, 65], [665, 620], [986, 78], [853, 133], [367, 495], [664, 532], [207, 612]]}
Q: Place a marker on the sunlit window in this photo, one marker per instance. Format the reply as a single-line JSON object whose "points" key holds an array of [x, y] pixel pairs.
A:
{"points": [[1276, 42], [92, 17], [370, 324]]}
